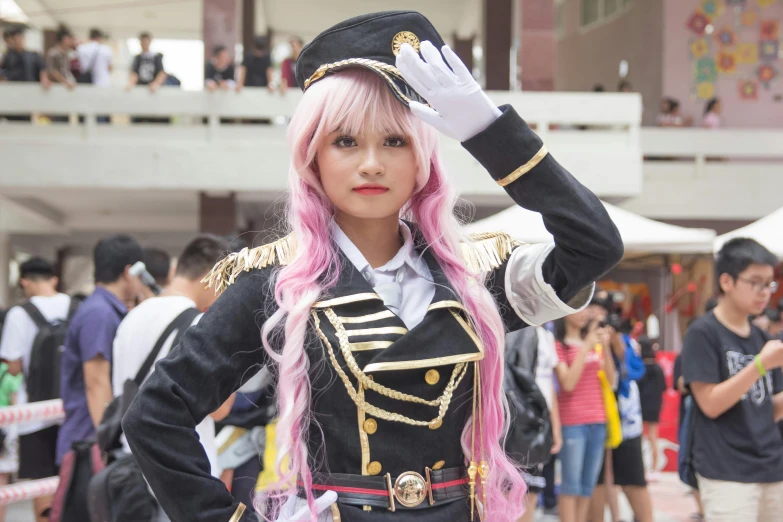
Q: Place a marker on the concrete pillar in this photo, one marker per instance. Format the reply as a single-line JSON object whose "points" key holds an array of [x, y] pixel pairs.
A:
{"points": [[248, 21], [498, 18], [221, 26], [464, 49], [5, 269], [538, 45], [218, 214]]}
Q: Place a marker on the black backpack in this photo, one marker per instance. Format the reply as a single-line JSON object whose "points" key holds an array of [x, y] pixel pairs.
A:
{"points": [[529, 439], [119, 492], [42, 379], [109, 430]]}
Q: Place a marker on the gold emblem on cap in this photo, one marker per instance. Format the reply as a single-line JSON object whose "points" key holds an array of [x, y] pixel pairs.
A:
{"points": [[404, 37]]}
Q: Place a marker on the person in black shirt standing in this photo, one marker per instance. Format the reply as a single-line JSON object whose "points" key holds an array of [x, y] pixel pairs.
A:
{"points": [[20, 65], [147, 67], [734, 374], [256, 68], [219, 71]]}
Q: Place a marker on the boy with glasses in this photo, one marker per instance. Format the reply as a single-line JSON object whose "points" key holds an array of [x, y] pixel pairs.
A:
{"points": [[733, 372]]}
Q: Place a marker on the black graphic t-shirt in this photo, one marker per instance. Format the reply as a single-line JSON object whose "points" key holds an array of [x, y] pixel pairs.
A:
{"points": [[743, 444], [147, 66]]}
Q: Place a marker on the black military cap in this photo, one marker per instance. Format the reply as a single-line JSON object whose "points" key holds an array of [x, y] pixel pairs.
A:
{"points": [[371, 41]]}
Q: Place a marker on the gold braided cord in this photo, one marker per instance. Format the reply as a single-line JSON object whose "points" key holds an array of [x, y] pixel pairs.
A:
{"points": [[364, 62], [345, 348], [225, 272], [487, 251], [369, 408]]}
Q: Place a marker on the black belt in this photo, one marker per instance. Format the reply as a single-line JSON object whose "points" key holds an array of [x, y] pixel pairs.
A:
{"points": [[410, 490]]}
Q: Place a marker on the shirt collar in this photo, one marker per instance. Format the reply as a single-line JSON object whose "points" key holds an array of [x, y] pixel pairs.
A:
{"points": [[112, 299], [407, 255]]}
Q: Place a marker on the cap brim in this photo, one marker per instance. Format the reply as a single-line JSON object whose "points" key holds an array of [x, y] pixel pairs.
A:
{"points": [[391, 75]]}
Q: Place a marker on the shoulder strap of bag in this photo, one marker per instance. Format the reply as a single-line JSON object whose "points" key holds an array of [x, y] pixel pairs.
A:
{"points": [[35, 314], [94, 58], [178, 323]]}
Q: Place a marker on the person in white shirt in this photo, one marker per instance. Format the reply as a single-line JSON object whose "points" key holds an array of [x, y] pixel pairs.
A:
{"points": [[95, 57], [37, 440], [143, 326]]}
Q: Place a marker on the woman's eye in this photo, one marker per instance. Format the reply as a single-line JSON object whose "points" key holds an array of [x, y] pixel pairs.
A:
{"points": [[345, 142], [395, 142]]}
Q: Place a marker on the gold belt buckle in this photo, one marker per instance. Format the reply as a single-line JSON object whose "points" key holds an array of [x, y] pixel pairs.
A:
{"points": [[410, 489]]}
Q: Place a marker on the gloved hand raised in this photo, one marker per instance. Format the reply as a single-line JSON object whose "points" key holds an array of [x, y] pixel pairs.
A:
{"points": [[458, 107]]}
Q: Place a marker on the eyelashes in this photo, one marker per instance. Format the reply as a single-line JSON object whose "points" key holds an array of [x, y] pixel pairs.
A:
{"points": [[345, 142]]}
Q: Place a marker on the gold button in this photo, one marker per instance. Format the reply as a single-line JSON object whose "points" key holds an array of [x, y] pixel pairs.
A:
{"points": [[370, 426], [374, 468], [438, 465], [432, 377], [436, 424]]}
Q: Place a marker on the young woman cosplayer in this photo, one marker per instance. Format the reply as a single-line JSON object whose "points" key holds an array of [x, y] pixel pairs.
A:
{"points": [[383, 325]]}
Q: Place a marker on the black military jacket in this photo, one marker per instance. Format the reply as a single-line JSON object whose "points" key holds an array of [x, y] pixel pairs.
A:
{"points": [[352, 331]]}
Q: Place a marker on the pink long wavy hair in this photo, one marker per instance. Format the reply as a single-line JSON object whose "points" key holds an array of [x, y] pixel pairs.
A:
{"points": [[354, 100]]}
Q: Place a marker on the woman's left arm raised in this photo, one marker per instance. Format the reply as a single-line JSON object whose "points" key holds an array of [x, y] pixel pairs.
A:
{"points": [[542, 281]]}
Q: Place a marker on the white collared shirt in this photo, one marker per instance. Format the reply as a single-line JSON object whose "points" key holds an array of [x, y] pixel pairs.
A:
{"points": [[531, 297], [406, 268]]}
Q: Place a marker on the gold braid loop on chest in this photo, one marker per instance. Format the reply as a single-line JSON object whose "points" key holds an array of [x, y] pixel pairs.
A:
{"points": [[225, 272], [487, 251], [441, 402]]}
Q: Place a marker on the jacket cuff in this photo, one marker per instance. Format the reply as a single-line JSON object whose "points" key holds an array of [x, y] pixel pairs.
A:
{"points": [[532, 298], [507, 146]]}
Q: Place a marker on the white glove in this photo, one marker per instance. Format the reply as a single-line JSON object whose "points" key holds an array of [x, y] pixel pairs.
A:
{"points": [[290, 513], [459, 108]]}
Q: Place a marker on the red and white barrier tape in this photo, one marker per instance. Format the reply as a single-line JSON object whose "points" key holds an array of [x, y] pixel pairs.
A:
{"points": [[28, 490], [34, 412]]}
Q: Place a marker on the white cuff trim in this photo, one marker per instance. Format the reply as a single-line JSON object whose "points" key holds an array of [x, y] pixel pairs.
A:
{"points": [[533, 299]]}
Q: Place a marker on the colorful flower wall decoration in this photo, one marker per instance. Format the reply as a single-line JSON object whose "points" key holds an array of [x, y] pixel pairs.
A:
{"points": [[769, 29], [711, 8], [749, 18], [747, 53], [766, 74], [700, 48], [706, 70], [746, 43], [748, 90], [705, 91], [726, 63], [698, 23], [726, 37], [768, 50]]}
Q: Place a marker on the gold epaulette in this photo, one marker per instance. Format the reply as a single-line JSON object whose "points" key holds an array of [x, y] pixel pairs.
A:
{"points": [[225, 272], [486, 251]]}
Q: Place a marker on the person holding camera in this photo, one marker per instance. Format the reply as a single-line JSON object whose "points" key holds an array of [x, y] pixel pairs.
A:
{"points": [[581, 343]]}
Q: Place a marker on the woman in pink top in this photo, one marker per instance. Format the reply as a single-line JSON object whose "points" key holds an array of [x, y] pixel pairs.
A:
{"points": [[712, 114], [582, 414]]}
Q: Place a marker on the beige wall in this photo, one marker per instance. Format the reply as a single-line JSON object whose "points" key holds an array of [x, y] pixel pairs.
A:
{"points": [[592, 56]]}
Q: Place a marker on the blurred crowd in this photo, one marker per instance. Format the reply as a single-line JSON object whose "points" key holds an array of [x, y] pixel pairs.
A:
{"points": [[133, 317], [71, 62]]}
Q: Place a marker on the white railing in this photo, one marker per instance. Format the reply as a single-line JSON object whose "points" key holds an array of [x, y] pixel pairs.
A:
{"points": [[23, 414], [694, 173], [583, 130]]}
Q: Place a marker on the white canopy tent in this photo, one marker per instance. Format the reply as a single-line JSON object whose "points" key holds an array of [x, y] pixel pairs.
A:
{"points": [[768, 231], [640, 234]]}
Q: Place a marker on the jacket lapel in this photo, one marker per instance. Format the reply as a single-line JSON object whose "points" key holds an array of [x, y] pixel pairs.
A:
{"points": [[379, 340]]}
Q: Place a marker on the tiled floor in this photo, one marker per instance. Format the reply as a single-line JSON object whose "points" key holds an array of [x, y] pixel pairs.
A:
{"points": [[671, 502]]}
